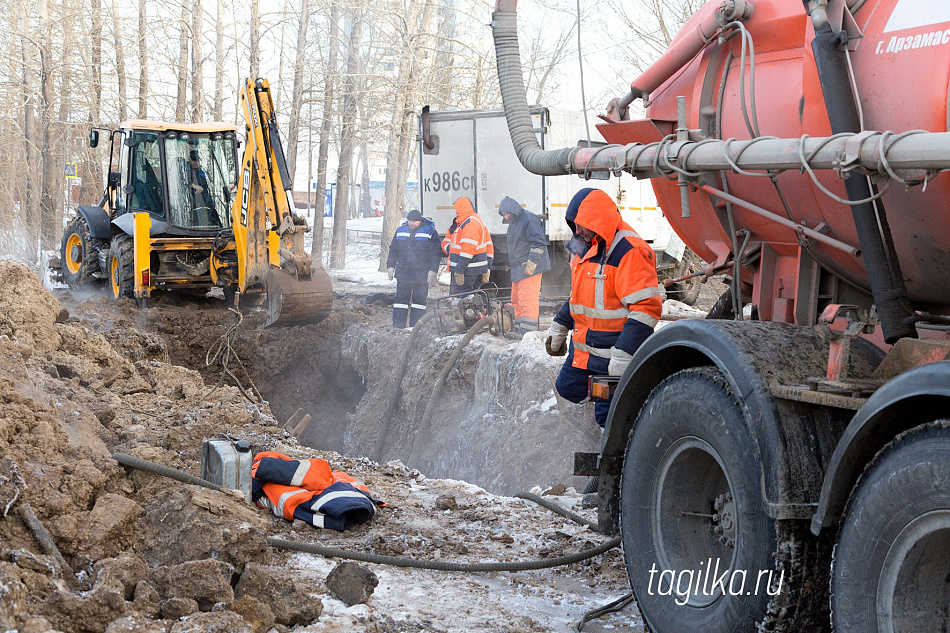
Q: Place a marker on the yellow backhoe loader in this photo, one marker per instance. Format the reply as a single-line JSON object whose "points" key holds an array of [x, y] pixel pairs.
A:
{"points": [[179, 211]]}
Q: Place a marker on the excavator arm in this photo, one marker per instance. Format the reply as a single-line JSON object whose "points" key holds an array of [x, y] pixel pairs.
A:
{"points": [[269, 236]]}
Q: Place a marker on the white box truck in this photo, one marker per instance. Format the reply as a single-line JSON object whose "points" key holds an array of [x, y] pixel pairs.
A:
{"points": [[469, 153]]}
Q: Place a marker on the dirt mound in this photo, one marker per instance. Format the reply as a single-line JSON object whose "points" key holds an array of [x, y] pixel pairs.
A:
{"points": [[143, 553]]}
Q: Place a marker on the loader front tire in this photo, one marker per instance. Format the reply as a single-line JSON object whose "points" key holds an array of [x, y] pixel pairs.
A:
{"points": [[891, 570], [79, 252], [122, 267]]}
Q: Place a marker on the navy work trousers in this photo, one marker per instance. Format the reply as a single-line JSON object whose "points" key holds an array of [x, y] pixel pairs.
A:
{"points": [[571, 384], [410, 302]]}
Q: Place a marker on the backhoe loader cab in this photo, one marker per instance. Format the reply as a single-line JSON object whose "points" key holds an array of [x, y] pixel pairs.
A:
{"points": [[175, 214]]}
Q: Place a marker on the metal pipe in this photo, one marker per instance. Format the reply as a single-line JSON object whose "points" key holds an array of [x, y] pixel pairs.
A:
{"points": [[927, 151], [683, 50], [870, 218], [774, 217]]}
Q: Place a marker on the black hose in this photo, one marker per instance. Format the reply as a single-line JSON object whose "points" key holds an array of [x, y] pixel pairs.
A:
{"points": [[559, 509], [165, 471], [387, 418], [367, 557], [481, 324], [610, 607]]}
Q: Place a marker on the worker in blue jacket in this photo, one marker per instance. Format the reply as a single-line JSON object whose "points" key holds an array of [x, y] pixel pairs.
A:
{"points": [[414, 256]]}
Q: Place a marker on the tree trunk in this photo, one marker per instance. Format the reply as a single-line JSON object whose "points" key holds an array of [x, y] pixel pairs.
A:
{"points": [[119, 62], [28, 199], [316, 248], [181, 103], [197, 59], [293, 128], [347, 141], [277, 90], [143, 61], [255, 35], [48, 219], [91, 187], [219, 63], [401, 130]]}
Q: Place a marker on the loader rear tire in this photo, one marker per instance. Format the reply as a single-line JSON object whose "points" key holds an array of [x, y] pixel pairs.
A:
{"points": [[122, 267], [686, 291], [691, 508], [891, 570], [79, 252]]}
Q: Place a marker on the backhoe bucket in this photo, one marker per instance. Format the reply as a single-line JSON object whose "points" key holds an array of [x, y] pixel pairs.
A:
{"points": [[297, 301]]}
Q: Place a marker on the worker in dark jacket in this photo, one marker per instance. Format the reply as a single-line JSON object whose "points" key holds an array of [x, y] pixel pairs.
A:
{"points": [[528, 258], [414, 256]]}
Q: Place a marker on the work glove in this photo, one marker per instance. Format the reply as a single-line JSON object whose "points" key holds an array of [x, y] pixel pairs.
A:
{"points": [[555, 341], [486, 277], [432, 278], [392, 273], [619, 360], [459, 279], [530, 267]]}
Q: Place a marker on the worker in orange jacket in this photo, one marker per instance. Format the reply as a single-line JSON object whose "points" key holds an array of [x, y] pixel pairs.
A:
{"points": [[615, 298], [469, 248]]}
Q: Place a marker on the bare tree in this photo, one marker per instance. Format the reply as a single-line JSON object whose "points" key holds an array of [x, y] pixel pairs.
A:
{"points": [[650, 25], [316, 248], [219, 62], [197, 59], [293, 128], [119, 61], [347, 140], [143, 61], [412, 36], [255, 35], [182, 69]]}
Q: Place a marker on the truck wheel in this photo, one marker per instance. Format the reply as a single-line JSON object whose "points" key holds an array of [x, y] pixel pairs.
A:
{"points": [[891, 562], [122, 267], [700, 551], [686, 291], [79, 252], [723, 308]]}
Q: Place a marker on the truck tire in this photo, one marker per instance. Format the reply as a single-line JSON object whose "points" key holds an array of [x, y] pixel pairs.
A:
{"points": [[690, 498], [122, 267], [890, 569], [79, 252], [723, 308]]}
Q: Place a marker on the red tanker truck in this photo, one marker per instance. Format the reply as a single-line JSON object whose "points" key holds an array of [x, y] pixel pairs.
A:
{"points": [[766, 471]]}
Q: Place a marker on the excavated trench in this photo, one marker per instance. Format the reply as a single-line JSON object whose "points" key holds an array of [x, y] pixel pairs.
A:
{"points": [[495, 423]]}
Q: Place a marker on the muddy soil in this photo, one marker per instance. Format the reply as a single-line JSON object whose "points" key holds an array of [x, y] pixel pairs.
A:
{"points": [[140, 552]]}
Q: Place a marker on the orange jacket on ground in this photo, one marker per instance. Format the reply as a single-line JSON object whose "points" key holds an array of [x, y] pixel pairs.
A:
{"points": [[310, 491], [615, 296], [468, 244]]}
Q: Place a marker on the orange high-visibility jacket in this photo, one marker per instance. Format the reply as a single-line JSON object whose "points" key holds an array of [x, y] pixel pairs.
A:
{"points": [[469, 246], [615, 297], [309, 490]]}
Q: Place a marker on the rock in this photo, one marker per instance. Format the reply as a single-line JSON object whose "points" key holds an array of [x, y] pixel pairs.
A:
{"points": [[25, 559], [352, 583], [105, 531], [90, 612], [136, 624], [35, 624], [555, 491], [217, 622], [180, 530], [175, 608], [256, 614], [205, 581], [146, 600], [14, 595], [292, 600], [446, 502], [122, 574]]}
